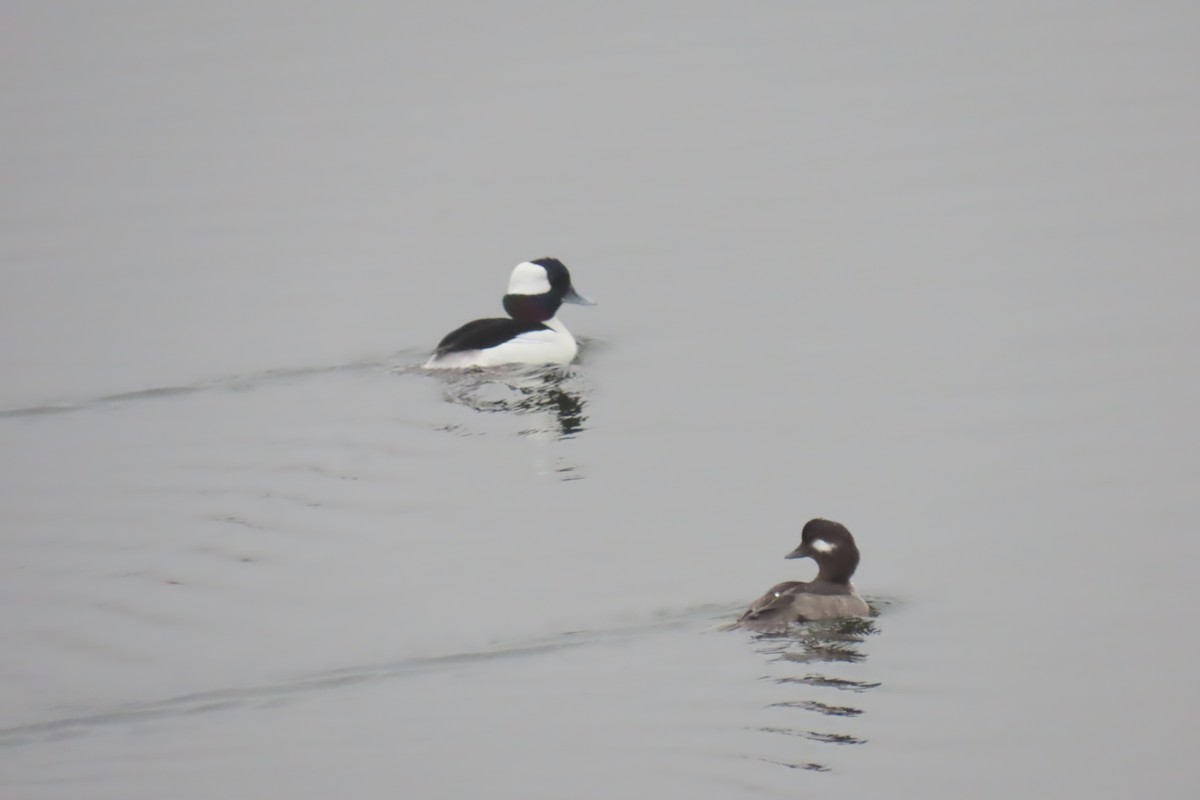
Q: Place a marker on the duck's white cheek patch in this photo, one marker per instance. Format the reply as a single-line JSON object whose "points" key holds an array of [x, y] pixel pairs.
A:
{"points": [[822, 546]]}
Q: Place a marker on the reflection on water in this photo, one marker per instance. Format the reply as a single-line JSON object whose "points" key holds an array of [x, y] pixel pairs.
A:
{"points": [[821, 708], [550, 397], [797, 651]]}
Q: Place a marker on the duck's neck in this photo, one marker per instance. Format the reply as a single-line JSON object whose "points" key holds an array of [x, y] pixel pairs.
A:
{"points": [[531, 307], [838, 572]]}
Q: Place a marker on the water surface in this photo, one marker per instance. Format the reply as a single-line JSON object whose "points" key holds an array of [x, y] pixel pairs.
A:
{"points": [[925, 270]]}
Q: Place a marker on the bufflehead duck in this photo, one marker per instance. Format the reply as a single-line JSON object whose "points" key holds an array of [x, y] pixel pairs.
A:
{"points": [[533, 335], [829, 596]]}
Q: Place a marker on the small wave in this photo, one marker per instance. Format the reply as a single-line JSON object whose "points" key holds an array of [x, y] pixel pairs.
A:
{"points": [[231, 383], [262, 694]]}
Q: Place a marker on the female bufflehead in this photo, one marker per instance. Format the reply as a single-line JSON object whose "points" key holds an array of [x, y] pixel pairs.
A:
{"points": [[533, 336], [829, 596]]}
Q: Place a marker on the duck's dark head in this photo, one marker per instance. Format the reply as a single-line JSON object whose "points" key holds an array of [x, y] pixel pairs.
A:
{"points": [[537, 288], [832, 546]]}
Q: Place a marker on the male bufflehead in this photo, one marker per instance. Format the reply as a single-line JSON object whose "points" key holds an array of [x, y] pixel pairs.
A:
{"points": [[829, 596], [532, 336]]}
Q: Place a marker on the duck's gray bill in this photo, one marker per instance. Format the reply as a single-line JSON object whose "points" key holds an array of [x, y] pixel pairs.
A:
{"points": [[575, 297]]}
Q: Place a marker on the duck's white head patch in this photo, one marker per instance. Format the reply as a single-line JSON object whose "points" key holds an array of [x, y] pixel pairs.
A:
{"points": [[528, 278], [822, 546]]}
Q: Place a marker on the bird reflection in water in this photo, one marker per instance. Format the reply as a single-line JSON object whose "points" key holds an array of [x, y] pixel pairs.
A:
{"points": [[801, 651], [551, 397]]}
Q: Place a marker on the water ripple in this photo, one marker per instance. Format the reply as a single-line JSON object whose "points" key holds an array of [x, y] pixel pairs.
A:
{"points": [[550, 398], [268, 693], [232, 383], [840, 644]]}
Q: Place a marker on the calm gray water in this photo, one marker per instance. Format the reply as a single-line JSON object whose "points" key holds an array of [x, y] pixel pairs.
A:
{"points": [[927, 269]]}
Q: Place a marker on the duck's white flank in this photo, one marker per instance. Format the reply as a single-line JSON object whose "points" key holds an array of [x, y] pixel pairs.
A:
{"points": [[554, 346]]}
